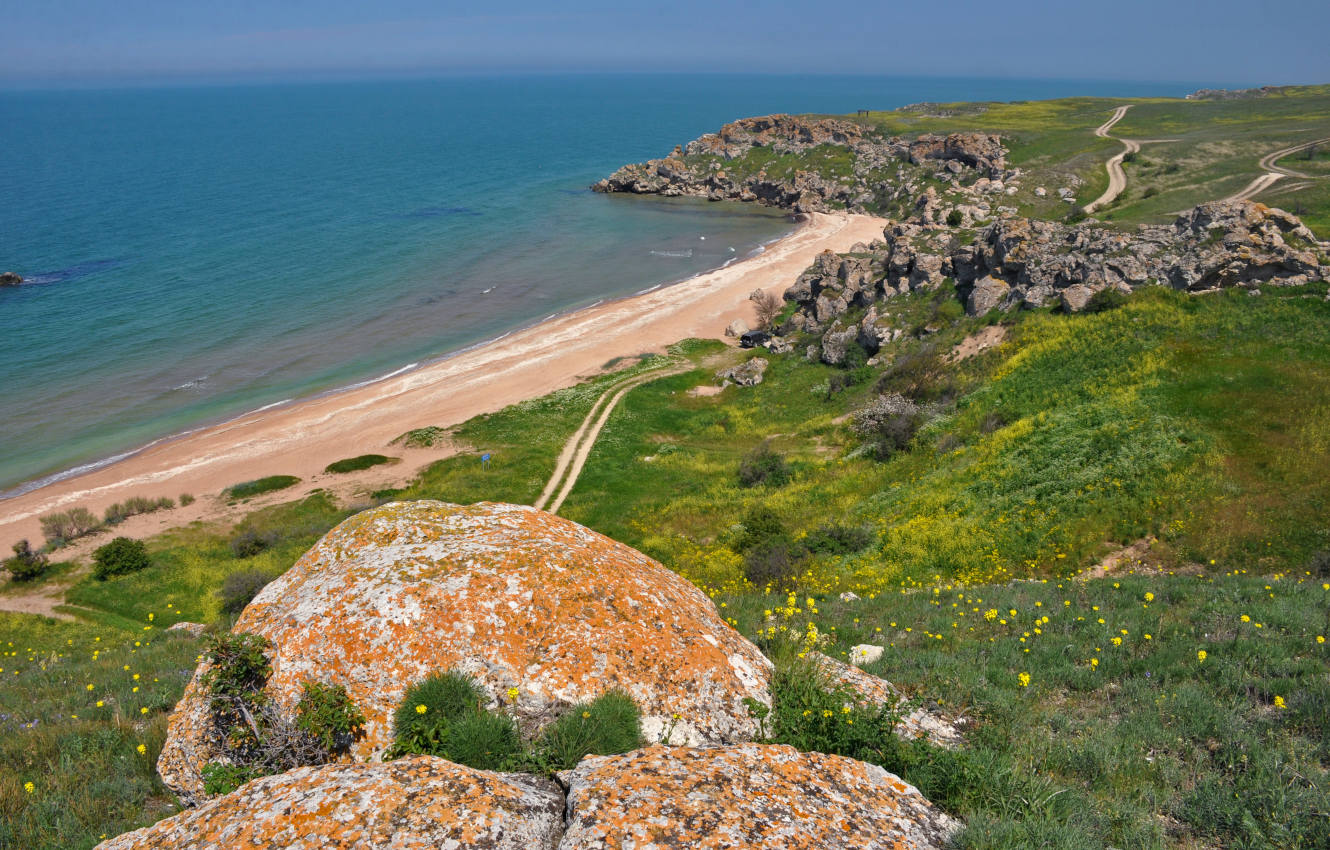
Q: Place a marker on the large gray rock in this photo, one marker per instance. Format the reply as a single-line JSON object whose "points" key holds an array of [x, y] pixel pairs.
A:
{"points": [[749, 796], [1076, 298], [416, 802], [988, 292], [746, 374], [10, 279]]}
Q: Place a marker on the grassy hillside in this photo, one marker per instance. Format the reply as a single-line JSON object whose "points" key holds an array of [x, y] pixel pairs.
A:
{"points": [[1195, 425]]}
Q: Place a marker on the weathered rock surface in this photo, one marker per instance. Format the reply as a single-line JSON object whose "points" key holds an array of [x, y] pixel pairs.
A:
{"points": [[514, 596], [10, 279], [420, 802], [1018, 261], [748, 796], [702, 168], [874, 691], [746, 374]]}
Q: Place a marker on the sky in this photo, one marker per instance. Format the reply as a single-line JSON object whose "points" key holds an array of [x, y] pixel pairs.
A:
{"points": [[1229, 41]]}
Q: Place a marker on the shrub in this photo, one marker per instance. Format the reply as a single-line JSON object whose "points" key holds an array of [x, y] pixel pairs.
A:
{"points": [[327, 713], [239, 588], [120, 557], [761, 526], [1319, 565], [918, 375], [238, 666], [1077, 214], [607, 725], [836, 539], [186, 499], [63, 526], [423, 438], [955, 217], [246, 489], [774, 564], [121, 511], [763, 465], [355, 464], [1106, 299], [1150, 192], [251, 542], [26, 564], [767, 307], [222, 778], [889, 423], [484, 741]]}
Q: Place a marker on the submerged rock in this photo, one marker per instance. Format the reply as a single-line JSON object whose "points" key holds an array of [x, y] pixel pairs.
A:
{"points": [[10, 279], [749, 796], [517, 598], [420, 802]]}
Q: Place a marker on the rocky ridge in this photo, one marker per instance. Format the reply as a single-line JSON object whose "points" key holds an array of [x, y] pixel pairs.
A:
{"points": [[879, 167], [1019, 262]]}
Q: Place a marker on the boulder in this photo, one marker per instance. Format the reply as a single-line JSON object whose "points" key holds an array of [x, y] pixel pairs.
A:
{"points": [[419, 802], [874, 691], [513, 596], [749, 796], [747, 374], [736, 329], [191, 629], [988, 292], [1076, 298], [10, 279], [865, 653]]}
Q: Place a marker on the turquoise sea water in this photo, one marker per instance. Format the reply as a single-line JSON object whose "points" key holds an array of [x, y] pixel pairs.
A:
{"points": [[197, 252]]}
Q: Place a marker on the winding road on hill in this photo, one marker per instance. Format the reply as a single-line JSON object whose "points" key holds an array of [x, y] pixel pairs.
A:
{"points": [[578, 448], [1117, 177], [1274, 173]]}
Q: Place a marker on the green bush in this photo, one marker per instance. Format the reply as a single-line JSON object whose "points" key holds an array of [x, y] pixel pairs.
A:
{"points": [[607, 725], [252, 541], [327, 713], [186, 499], [1106, 299], [63, 526], [246, 489], [120, 557], [955, 217], [26, 564], [484, 741], [222, 778], [889, 423], [775, 564], [428, 710], [764, 465], [239, 588], [238, 666], [121, 511], [837, 539], [354, 464]]}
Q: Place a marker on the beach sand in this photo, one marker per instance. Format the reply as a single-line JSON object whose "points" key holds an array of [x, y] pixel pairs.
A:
{"points": [[305, 436]]}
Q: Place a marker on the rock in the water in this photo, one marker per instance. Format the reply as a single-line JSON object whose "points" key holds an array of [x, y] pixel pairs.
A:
{"points": [[749, 796], [514, 596], [747, 374], [865, 653], [10, 279], [988, 293], [418, 803], [737, 328]]}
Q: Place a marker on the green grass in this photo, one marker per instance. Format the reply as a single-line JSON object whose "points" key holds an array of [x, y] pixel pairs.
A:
{"points": [[88, 779], [357, 463], [1149, 748], [259, 486]]}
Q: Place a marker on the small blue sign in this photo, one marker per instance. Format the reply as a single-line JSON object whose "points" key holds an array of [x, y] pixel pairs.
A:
{"points": [[485, 457]]}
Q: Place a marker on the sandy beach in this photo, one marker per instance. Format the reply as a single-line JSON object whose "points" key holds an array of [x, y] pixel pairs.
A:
{"points": [[303, 437]]}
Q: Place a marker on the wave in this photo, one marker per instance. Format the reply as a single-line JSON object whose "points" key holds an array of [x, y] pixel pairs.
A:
{"points": [[29, 486], [686, 253], [437, 212], [72, 272]]}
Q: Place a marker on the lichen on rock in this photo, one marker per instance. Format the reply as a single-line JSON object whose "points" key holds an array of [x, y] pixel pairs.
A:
{"points": [[409, 804], [515, 597]]}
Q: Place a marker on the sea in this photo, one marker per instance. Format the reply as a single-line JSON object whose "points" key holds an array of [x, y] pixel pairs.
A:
{"points": [[196, 251]]}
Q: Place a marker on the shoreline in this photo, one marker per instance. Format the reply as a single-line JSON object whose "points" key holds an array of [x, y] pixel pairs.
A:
{"points": [[300, 437]]}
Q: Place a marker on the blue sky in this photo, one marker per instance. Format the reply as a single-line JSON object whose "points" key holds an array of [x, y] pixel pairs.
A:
{"points": [[1166, 40]]}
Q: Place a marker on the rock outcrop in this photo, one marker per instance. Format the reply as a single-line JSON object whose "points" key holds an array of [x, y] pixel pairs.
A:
{"points": [[10, 279], [746, 374], [420, 802], [1024, 262], [749, 796], [717, 166], [516, 597]]}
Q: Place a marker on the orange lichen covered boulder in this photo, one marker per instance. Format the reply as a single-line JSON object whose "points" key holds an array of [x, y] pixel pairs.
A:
{"points": [[750, 796], [421, 802], [514, 596]]}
